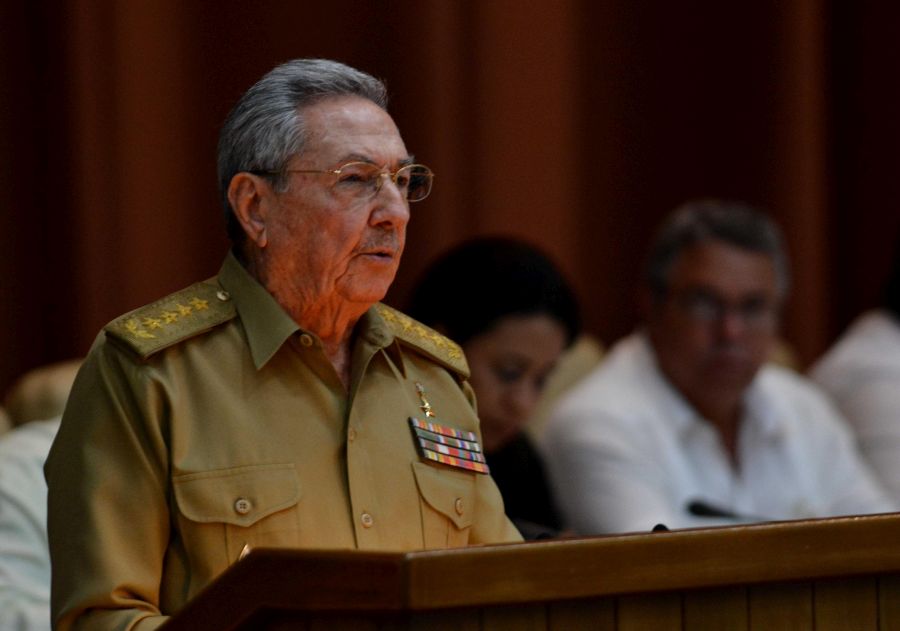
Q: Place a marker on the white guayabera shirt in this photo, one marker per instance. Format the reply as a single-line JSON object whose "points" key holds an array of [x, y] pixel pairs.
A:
{"points": [[625, 452]]}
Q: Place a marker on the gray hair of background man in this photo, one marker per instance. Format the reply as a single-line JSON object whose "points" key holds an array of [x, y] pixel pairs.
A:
{"points": [[701, 221], [265, 129]]}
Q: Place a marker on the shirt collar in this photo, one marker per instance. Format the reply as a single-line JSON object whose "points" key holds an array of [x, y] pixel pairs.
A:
{"points": [[682, 414], [762, 410], [266, 324], [759, 409], [373, 330]]}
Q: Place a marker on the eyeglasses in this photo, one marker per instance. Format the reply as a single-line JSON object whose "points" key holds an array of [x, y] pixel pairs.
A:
{"points": [[363, 180], [757, 313]]}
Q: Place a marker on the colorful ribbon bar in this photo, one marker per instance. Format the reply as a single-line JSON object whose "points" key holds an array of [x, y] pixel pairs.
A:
{"points": [[456, 462], [447, 445], [446, 440], [443, 430], [451, 451]]}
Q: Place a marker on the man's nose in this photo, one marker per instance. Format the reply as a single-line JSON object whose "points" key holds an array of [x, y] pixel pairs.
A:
{"points": [[393, 207], [731, 324], [524, 397]]}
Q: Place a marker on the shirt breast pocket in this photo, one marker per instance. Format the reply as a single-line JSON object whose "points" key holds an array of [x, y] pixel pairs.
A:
{"points": [[221, 511], [447, 504]]}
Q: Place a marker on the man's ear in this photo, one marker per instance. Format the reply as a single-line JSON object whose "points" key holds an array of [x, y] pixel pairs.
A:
{"points": [[250, 197]]}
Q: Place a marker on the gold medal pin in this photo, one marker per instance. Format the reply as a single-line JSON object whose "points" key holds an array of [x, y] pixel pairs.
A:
{"points": [[426, 406]]}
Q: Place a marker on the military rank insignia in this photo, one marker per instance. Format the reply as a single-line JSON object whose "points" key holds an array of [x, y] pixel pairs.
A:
{"points": [[447, 445]]}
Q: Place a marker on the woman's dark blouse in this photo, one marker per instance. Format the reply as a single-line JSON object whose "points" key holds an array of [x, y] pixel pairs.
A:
{"points": [[519, 473]]}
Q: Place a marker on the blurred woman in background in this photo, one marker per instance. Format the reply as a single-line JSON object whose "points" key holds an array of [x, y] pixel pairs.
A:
{"points": [[513, 313]]}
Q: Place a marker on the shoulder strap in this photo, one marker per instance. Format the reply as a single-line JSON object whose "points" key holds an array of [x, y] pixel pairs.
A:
{"points": [[173, 319], [425, 339]]}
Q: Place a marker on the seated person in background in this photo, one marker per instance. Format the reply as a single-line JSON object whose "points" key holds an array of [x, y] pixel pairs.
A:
{"points": [[513, 314], [24, 559], [683, 423], [862, 374], [574, 365], [41, 393]]}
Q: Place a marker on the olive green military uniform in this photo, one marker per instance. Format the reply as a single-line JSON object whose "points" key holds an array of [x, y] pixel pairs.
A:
{"points": [[209, 420]]}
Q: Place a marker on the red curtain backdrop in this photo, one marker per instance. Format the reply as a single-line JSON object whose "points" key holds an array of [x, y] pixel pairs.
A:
{"points": [[574, 124]]}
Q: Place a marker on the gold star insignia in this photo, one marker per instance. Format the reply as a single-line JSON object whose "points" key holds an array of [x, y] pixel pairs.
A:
{"points": [[169, 317], [184, 309], [152, 323], [199, 305], [134, 328]]}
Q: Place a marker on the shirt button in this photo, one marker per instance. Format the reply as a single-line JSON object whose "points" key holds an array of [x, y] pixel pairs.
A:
{"points": [[223, 295], [242, 506], [367, 520], [351, 434], [458, 505], [306, 340]]}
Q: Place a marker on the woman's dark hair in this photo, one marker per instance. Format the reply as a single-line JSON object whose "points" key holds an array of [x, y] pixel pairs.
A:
{"points": [[473, 286]]}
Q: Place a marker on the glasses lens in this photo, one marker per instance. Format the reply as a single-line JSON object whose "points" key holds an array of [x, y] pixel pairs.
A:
{"points": [[418, 179], [357, 179]]}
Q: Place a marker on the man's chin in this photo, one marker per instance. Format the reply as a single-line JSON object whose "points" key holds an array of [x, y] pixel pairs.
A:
{"points": [[730, 373], [368, 291]]}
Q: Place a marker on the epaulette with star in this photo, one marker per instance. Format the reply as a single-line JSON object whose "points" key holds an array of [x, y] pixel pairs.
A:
{"points": [[425, 339], [175, 318]]}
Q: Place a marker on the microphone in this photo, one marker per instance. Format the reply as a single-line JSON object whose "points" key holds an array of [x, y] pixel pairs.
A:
{"points": [[702, 508]]}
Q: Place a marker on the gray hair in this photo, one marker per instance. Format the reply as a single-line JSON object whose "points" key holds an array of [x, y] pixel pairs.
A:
{"points": [[701, 221], [266, 128]]}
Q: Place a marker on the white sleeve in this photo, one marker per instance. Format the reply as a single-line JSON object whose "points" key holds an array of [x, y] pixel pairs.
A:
{"points": [[24, 558], [846, 481], [603, 478], [873, 411]]}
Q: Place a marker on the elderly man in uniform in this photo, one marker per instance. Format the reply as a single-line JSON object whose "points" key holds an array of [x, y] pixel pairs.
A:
{"points": [[279, 403]]}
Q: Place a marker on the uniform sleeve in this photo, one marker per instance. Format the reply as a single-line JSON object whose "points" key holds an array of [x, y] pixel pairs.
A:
{"points": [[108, 518]]}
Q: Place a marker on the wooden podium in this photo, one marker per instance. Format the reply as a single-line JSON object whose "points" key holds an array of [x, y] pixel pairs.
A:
{"points": [[841, 574]]}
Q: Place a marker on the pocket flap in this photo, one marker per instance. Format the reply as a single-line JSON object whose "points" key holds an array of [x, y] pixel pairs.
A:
{"points": [[239, 495], [449, 492]]}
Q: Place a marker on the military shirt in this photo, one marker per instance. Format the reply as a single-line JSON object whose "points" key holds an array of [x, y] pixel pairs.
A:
{"points": [[210, 421]]}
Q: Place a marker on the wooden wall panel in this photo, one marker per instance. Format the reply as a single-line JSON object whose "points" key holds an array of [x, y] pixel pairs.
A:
{"points": [[582, 615], [781, 607], [709, 610], [647, 612], [527, 617], [889, 603], [446, 620], [577, 125], [846, 604]]}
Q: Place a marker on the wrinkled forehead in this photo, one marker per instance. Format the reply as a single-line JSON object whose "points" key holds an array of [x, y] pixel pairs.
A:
{"points": [[351, 128]]}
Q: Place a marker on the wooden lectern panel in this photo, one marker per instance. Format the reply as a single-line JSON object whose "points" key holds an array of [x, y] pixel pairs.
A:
{"points": [[841, 573]]}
